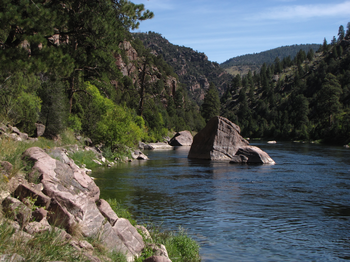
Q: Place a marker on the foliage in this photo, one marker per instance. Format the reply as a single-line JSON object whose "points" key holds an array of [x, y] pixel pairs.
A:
{"points": [[121, 210], [211, 103], [84, 158], [47, 246], [54, 107], [19, 103], [308, 99], [180, 246], [269, 56], [191, 66]]}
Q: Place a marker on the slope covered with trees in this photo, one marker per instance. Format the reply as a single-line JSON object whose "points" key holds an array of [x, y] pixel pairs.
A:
{"points": [[194, 69], [304, 98], [253, 62], [68, 64]]}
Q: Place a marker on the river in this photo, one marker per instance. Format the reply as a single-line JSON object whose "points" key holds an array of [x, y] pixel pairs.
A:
{"points": [[296, 210]]}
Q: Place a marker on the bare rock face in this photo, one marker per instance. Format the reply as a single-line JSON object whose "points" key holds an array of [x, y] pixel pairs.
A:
{"points": [[40, 130], [255, 155], [183, 138], [107, 211], [14, 208], [221, 140], [218, 140], [74, 196]]}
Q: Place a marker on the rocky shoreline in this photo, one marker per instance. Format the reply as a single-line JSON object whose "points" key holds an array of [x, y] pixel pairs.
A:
{"points": [[66, 198], [55, 194]]}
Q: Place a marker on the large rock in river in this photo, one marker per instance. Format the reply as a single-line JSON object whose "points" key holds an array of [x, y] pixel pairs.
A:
{"points": [[183, 138], [221, 140]]}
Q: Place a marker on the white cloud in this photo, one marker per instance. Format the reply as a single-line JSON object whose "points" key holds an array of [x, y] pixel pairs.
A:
{"points": [[306, 11]]}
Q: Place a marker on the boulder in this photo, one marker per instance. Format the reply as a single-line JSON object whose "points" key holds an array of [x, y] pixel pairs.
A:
{"points": [[40, 129], [6, 167], [39, 214], [183, 138], [158, 146], [22, 136], [137, 154], [145, 233], [158, 250], [14, 208], [221, 140], [26, 192], [73, 204], [255, 155], [107, 211], [37, 227]]}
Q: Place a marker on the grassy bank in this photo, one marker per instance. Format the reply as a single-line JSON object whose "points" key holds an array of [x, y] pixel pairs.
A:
{"points": [[50, 245], [179, 245]]}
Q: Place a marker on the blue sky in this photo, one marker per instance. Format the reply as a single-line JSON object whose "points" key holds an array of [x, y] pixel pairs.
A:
{"points": [[223, 29]]}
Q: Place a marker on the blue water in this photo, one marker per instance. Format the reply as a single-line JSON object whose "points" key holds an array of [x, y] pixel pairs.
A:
{"points": [[296, 210]]}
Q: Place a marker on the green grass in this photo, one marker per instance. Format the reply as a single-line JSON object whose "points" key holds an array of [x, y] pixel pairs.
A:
{"points": [[121, 210], [42, 247], [180, 246], [49, 246], [84, 158]]}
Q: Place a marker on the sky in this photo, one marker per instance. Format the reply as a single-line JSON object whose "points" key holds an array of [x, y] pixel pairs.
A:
{"points": [[223, 29]]}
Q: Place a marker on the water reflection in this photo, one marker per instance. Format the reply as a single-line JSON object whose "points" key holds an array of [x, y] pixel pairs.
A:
{"points": [[297, 210]]}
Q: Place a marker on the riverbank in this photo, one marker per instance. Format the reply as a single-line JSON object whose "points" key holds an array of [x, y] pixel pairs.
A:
{"points": [[75, 244]]}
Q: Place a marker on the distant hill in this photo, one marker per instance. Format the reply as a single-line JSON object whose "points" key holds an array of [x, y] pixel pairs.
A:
{"points": [[242, 64], [194, 69], [306, 98]]}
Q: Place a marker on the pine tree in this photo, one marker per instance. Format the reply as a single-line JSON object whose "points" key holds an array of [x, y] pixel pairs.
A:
{"points": [[211, 103], [341, 33], [329, 95]]}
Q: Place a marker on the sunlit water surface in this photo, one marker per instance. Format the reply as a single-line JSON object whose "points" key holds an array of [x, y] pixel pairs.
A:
{"points": [[296, 210]]}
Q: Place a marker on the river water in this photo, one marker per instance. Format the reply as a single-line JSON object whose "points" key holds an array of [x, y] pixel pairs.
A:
{"points": [[296, 210]]}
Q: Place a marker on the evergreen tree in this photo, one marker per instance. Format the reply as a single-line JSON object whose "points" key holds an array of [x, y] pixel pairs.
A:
{"points": [[325, 47], [341, 33], [348, 29], [329, 95], [211, 103], [310, 55]]}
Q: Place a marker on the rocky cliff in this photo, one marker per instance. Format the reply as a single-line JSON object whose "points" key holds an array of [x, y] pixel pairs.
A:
{"points": [[194, 69]]}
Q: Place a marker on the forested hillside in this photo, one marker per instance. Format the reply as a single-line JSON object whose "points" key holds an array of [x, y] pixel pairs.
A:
{"points": [[242, 64], [304, 98], [74, 64], [193, 68]]}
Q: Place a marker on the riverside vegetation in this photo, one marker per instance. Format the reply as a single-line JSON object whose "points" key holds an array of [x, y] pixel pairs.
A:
{"points": [[75, 67], [49, 245]]}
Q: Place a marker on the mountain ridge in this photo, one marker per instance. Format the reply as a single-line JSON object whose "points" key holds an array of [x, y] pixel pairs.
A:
{"points": [[253, 62], [194, 69]]}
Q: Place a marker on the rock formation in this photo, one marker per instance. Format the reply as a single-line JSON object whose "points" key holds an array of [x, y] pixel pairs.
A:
{"points": [[67, 198], [221, 140], [73, 197], [183, 138]]}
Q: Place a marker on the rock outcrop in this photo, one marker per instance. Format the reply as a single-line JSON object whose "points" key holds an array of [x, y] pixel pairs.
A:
{"points": [[221, 140], [158, 146], [183, 138], [71, 198]]}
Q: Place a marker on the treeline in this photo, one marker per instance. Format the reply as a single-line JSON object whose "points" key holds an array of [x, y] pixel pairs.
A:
{"points": [[58, 67], [192, 67], [269, 56], [305, 98]]}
